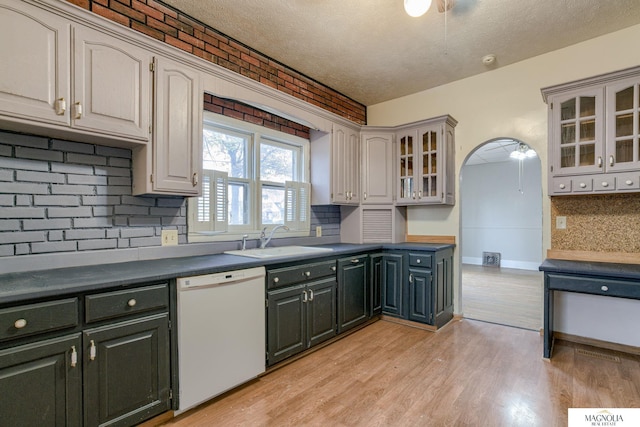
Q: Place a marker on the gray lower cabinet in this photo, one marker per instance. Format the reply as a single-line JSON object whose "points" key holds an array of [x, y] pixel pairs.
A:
{"points": [[301, 308], [354, 304], [93, 359]]}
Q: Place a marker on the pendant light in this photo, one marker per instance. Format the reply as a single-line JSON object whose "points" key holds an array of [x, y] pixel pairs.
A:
{"points": [[416, 8]]}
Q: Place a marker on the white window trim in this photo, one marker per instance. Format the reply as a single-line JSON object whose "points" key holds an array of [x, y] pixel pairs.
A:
{"points": [[298, 190]]}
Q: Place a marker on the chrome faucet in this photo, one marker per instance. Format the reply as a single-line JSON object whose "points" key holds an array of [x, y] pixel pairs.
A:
{"points": [[244, 241], [264, 240]]}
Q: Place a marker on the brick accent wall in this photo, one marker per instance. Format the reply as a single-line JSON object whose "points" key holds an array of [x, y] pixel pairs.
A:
{"points": [[247, 113], [162, 22]]}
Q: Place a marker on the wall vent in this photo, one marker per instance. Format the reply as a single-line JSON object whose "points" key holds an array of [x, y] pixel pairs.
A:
{"points": [[377, 225], [491, 259]]}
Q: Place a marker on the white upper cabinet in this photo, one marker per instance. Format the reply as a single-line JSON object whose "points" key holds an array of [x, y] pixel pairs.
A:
{"points": [[594, 135], [111, 85], [377, 167], [425, 162], [173, 163], [60, 78], [35, 65]]}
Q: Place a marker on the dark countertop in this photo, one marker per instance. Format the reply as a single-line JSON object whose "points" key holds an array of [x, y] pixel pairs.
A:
{"points": [[16, 287], [601, 269]]}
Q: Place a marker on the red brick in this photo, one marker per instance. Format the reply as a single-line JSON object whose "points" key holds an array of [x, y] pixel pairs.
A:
{"points": [[191, 40], [204, 55], [178, 43], [230, 50], [195, 25], [138, 26], [128, 11], [178, 24], [207, 38], [162, 8], [233, 114], [215, 51], [253, 119], [161, 26], [82, 3], [148, 11], [251, 60], [213, 108], [110, 14], [125, 2]]}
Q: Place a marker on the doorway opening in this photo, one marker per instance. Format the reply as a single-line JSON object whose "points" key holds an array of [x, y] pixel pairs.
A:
{"points": [[501, 234]]}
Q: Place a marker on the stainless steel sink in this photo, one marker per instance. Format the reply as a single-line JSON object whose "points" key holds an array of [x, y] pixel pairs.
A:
{"points": [[282, 251]]}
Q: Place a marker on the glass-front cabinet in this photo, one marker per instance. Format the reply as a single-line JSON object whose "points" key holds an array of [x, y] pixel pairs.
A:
{"points": [[623, 107], [425, 156], [594, 134]]}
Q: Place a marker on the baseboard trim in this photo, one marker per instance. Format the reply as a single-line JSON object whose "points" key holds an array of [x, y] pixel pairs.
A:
{"points": [[623, 348], [159, 420], [408, 323]]}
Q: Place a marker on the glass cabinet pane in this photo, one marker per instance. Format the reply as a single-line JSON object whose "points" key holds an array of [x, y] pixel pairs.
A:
{"points": [[587, 130], [568, 133], [410, 145], [624, 99], [624, 151], [624, 125], [587, 106], [568, 109], [567, 157], [587, 154]]}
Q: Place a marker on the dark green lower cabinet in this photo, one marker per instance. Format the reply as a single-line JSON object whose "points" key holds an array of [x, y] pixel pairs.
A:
{"points": [[299, 317], [126, 371], [391, 286], [353, 292], [40, 386], [375, 265], [420, 295], [443, 288]]}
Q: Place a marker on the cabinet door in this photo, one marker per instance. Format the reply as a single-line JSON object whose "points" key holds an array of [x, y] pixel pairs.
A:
{"points": [[377, 165], [35, 66], [352, 166], [41, 385], [623, 126], [420, 295], [321, 311], [353, 292], [286, 323], [391, 286], [429, 170], [112, 81], [443, 288], [577, 133], [345, 166], [178, 129], [376, 279], [126, 371], [407, 159]]}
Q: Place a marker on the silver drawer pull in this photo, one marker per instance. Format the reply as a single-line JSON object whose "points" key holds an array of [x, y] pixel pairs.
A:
{"points": [[333, 268], [583, 185], [562, 186], [628, 182], [276, 280], [605, 184], [307, 273], [74, 356], [20, 323], [92, 351], [132, 302], [310, 295], [418, 261], [605, 288], [355, 261]]}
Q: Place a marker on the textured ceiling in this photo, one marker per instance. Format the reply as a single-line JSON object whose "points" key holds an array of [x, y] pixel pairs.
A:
{"points": [[372, 51]]}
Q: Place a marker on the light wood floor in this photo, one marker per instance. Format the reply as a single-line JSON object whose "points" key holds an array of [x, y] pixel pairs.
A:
{"points": [[468, 373], [503, 295]]}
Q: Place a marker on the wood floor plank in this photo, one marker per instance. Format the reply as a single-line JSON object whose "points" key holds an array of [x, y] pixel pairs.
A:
{"points": [[468, 374]]}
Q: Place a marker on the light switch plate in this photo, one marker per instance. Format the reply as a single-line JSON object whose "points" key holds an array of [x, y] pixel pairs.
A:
{"points": [[561, 223], [169, 237], [318, 231]]}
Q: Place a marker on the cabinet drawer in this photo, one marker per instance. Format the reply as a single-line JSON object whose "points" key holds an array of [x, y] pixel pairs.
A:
{"points": [[420, 260], [630, 181], [582, 184], [126, 302], [37, 318], [593, 285], [289, 275], [560, 185], [604, 183]]}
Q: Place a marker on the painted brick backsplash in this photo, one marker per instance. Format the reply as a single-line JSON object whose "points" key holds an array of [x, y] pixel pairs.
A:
{"points": [[61, 196]]}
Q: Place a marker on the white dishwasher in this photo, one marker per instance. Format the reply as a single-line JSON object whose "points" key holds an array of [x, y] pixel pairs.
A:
{"points": [[221, 333]]}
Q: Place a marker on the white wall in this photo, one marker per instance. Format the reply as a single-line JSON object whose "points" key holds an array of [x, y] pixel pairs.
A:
{"points": [[506, 102], [502, 213]]}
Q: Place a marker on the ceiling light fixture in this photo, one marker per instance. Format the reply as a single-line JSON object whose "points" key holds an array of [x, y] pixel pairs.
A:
{"points": [[416, 8], [523, 151]]}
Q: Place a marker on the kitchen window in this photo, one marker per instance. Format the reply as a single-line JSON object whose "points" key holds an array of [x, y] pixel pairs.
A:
{"points": [[253, 177]]}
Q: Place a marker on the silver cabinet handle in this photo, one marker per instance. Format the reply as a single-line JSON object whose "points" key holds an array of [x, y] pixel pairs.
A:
{"points": [[599, 161], [92, 351], [333, 268], [413, 196], [20, 323], [410, 278], [355, 261], [78, 110], [74, 356], [307, 273], [611, 160], [132, 302], [305, 297], [61, 106], [583, 185], [419, 194], [562, 186], [628, 182], [418, 261], [276, 280], [604, 288], [605, 184], [194, 179], [365, 195], [310, 295]]}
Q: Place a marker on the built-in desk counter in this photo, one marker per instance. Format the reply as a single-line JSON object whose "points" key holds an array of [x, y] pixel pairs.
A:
{"points": [[595, 278]]}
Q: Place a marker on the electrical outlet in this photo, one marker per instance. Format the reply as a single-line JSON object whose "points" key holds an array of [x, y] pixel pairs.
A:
{"points": [[169, 237], [318, 231], [561, 223]]}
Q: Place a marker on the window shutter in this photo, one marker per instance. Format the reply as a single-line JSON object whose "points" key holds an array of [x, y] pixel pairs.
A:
{"points": [[220, 210], [297, 205]]}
